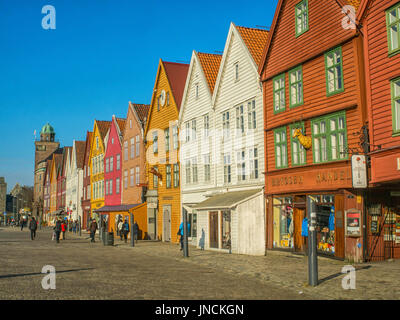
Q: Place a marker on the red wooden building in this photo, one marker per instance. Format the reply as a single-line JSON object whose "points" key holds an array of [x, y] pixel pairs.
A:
{"points": [[312, 73], [86, 207], [381, 29]]}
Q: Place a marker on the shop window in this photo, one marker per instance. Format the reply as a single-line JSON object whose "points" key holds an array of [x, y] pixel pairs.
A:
{"points": [[226, 229], [283, 223], [192, 219], [325, 209]]}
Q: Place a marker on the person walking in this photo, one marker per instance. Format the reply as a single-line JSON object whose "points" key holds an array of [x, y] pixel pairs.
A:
{"points": [[125, 230], [93, 229], [22, 223], [180, 233], [33, 228], [135, 231], [74, 226], [57, 230], [63, 229], [120, 225]]}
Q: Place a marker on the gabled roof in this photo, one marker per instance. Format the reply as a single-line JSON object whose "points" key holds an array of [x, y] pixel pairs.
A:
{"points": [[142, 111], [67, 150], [176, 74], [227, 200], [121, 124], [80, 153], [88, 142], [210, 64], [255, 40], [103, 127]]}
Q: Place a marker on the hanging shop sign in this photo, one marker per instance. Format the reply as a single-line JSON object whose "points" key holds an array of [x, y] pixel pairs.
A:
{"points": [[359, 171], [353, 223]]}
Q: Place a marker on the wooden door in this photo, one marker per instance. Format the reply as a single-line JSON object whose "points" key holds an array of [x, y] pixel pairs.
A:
{"points": [[213, 230], [339, 226], [298, 216], [167, 223]]}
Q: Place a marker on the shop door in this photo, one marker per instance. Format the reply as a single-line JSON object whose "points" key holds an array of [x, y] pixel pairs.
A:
{"points": [[167, 223], [213, 230], [298, 220], [339, 226]]}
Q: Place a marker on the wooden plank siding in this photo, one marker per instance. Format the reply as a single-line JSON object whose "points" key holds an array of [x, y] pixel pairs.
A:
{"points": [[325, 32]]}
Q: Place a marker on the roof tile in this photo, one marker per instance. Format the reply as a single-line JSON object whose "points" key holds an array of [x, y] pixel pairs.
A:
{"points": [[210, 64], [255, 40], [176, 73]]}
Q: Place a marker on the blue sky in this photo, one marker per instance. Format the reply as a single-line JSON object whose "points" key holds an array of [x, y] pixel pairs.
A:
{"points": [[102, 54]]}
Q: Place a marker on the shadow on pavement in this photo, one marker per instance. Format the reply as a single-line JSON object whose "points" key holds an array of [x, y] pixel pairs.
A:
{"points": [[40, 273], [333, 276]]}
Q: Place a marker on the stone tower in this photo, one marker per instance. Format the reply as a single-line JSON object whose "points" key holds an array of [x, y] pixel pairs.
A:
{"points": [[44, 148]]}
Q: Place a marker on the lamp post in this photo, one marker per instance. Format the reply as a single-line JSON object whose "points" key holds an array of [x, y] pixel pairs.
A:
{"points": [[132, 231], [185, 234]]}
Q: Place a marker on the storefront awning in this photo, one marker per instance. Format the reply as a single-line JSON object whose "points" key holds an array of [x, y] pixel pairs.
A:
{"points": [[227, 200], [120, 208]]}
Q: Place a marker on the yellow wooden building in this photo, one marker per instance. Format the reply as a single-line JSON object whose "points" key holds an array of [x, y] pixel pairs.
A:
{"points": [[162, 149], [96, 164]]}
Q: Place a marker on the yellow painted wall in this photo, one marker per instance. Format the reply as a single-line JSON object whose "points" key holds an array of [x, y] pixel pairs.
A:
{"points": [[94, 152], [162, 119]]}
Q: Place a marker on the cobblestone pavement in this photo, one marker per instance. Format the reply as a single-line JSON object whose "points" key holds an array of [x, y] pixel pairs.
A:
{"points": [[155, 270]]}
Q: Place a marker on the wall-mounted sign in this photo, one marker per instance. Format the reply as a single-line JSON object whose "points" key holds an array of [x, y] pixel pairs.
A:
{"points": [[353, 223], [359, 171]]}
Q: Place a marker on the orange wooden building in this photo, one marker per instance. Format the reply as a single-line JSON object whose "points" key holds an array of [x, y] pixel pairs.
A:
{"points": [[313, 80], [381, 29]]}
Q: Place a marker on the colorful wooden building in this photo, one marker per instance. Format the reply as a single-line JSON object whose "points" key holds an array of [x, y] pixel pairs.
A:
{"points": [[162, 148], [86, 193], [133, 162], [314, 98], [381, 28], [96, 164]]}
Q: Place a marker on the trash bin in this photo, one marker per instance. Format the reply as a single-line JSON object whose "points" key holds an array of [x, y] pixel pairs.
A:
{"points": [[110, 238]]}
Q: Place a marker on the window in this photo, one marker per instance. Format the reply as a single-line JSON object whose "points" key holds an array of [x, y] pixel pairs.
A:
{"points": [[130, 123], [225, 125], [279, 94], [97, 142], [167, 98], [132, 177], [194, 170], [188, 171], [395, 84], [280, 148], [301, 17], [158, 103], [137, 175], [192, 219], [107, 187], [253, 157], [168, 176], [207, 168], [329, 138], [132, 148], [194, 130], [237, 71], [111, 163], [251, 114], [241, 166], [239, 120], [227, 168], [88, 192], [117, 185], [137, 146], [296, 87], [125, 150], [298, 151], [155, 142], [175, 137], [334, 71], [107, 164], [126, 179], [111, 187], [393, 28], [206, 125], [176, 175], [166, 135], [187, 127], [155, 179], [118, 161]]}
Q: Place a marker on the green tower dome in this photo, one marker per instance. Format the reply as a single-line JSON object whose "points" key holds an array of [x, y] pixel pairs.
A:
{"points": [[47, 129]]}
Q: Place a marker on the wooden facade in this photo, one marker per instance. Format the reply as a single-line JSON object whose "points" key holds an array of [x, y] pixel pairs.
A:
{"points": [[381, 22], [86, 194], [313, 80], [162, 153]]}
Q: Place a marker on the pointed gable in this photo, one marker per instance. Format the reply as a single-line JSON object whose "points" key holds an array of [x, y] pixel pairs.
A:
{"points": [[103, 127], [210, 64], [142, 111], [255, 40], [80, 153], [176, 74]]}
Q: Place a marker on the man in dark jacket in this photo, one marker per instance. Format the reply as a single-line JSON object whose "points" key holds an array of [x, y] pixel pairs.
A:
{"points": [[125, 230], [93, 229], [33, 227], [57, 230]]}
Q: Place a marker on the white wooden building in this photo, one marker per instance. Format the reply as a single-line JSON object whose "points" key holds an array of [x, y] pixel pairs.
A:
{"points": [[222, 147]]}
